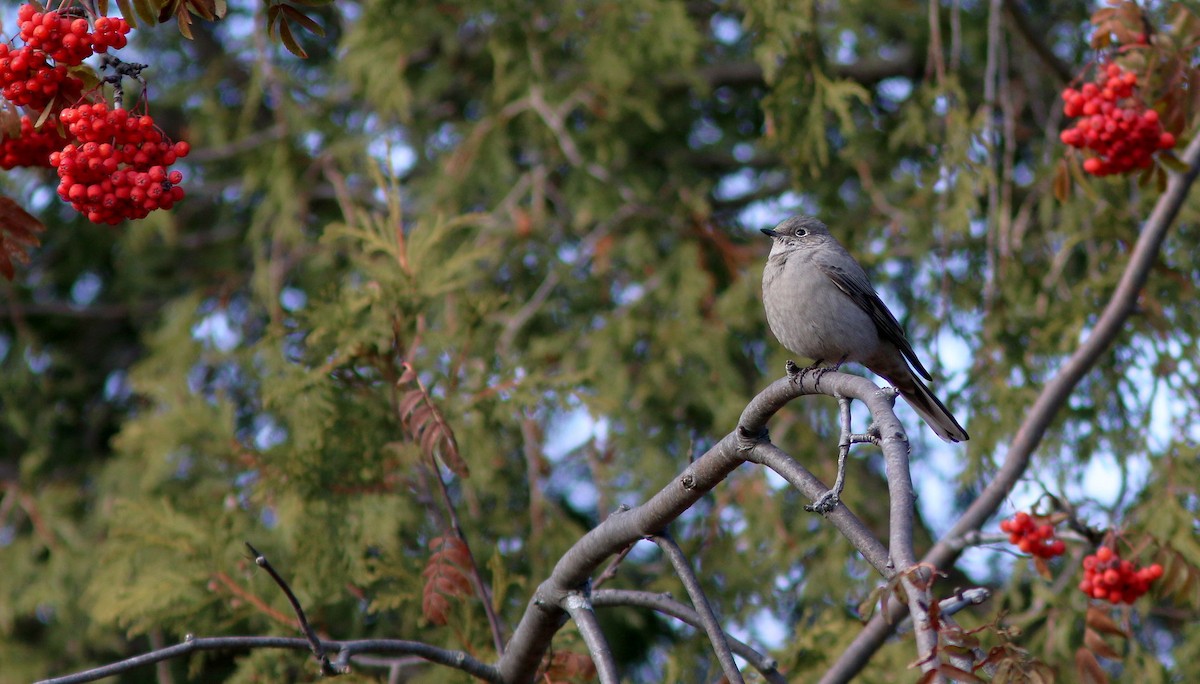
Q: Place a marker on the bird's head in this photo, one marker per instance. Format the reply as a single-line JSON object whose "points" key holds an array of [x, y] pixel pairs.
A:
{"points": [[795, 233]]}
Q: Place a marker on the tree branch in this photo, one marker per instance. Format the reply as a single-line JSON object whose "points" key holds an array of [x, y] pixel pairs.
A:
{"points": [[544, 615], [704, 609], [663, 603], [314, 641], [456, 659], [842, 517], [1052, 398], [579, 607]]}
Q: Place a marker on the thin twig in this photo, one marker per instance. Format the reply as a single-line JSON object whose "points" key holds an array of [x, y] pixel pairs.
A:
{"points": [[579, 607], [830, 499], [949, 606], [708, 616], [611, 571], [314, 641], [455, 659], [665, 604]]}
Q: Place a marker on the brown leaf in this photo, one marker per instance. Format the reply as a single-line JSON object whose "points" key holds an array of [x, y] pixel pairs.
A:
{"points": [[958, 675], [1099, 620], [169, 9], [1062, 181], [407, 375], [183, 19], [289, 41], [207, 10], [567, 665], [305, 21], [1039, 564], [18, 233], [1088, 668], [1096, 644], [419, 418], [435, 607]]}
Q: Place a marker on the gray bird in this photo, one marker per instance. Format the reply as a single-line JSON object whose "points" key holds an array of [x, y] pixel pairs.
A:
{"points": [[821, 305]]}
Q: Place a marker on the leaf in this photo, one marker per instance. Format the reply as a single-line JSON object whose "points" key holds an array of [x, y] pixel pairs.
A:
{"points": [[1088, 668], [1062, 181], [49, 109], [444, 577], [1077, 174], [168, 9], [1039, 564], [1173, 162], [183, 19], [958, 675], [866, 609], [565, 665], [128, 13], [289, 41], [1099, 620], [205, 9], [18, 233], [147, 10], [273, 18], [304, 20], [1096, 644], [409, 402]]}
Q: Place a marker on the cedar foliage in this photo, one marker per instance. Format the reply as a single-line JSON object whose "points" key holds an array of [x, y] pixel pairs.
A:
{"points": [[420, 253]]}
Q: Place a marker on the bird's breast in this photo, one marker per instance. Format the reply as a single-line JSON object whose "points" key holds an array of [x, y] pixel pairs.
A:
{"points": [[810, 316]]}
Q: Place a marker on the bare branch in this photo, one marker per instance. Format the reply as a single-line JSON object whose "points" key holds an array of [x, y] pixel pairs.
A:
{"points": [[579, 607], [704, 609], [544, 614], [663, 603], [456, 659], [847, 523], [314, 641]]}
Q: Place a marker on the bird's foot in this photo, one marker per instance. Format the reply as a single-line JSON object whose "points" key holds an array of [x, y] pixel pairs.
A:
{"points": [[796, 373]]}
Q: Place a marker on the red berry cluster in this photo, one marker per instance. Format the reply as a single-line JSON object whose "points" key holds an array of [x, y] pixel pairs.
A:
{"points": [[112, 164], [1108, 578], [30, 147], [1114, 123], [1032, 536], [118, 169], [109, 33], [27, 79]]}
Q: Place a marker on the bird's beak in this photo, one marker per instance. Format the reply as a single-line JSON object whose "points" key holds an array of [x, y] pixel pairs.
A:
{"points": [[769, 232]]}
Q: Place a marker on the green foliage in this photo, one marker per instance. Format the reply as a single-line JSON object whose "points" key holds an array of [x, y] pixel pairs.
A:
{"points": [[533, 218]]}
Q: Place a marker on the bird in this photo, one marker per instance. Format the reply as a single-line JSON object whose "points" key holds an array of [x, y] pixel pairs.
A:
{"points": [[821, 305]]}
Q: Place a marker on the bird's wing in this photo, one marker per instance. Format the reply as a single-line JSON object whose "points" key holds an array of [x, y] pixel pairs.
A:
{"points": [[856, 286]]}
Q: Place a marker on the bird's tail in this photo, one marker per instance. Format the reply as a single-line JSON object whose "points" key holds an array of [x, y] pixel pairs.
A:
{"points": [[928, 406]]}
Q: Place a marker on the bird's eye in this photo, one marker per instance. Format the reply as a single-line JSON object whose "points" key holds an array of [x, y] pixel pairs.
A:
{"points": [[801, 232]]}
